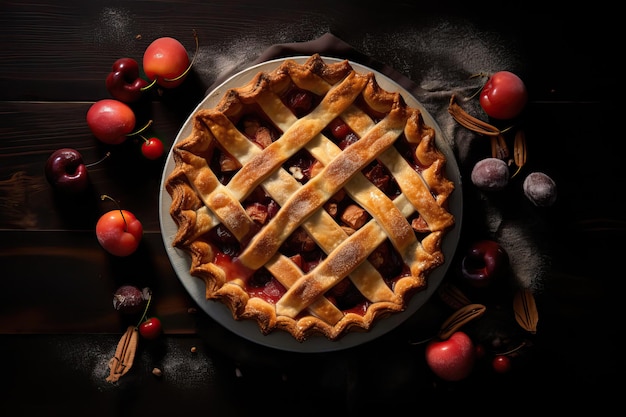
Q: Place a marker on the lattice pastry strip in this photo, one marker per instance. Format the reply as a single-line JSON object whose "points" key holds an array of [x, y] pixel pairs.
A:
{"points": [[202, 201], [298, 134]]}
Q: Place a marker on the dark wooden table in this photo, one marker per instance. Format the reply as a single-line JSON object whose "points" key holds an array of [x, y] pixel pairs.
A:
{"points": [[57, 325]]}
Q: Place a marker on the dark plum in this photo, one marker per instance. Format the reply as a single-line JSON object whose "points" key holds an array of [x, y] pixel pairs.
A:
{"points": [[129, 299], [540, 189], [490, 174]]}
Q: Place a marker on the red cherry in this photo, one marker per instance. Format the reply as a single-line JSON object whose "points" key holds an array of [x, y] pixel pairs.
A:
{"points": [[152, 148], [339, 128], [123, 82], [66, 171], [501, 364], [150, 328], [485, 262], [503, 96]]}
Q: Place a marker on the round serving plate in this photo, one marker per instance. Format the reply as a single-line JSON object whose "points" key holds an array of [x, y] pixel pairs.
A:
{"points": [[279, 339]]}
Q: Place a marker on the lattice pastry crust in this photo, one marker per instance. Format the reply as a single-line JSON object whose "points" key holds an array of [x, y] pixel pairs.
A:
{"points": [[293, 228]]}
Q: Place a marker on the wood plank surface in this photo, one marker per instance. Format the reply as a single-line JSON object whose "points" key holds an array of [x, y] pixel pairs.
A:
{"points": [[57, 325]]}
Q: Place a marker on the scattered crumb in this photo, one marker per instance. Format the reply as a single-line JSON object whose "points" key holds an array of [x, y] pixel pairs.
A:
{"points": [[138, 37], [192, 310], [157, 372], [193, 349], [238, 373]]}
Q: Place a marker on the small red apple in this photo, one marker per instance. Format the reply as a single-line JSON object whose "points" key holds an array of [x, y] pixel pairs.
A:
{"points": [[111, 121], [119, 232], [451, 359], [166, 61]]}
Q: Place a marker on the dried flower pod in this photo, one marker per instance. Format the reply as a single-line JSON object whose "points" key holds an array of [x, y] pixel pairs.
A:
{"points": [[470, 122], [519, 148], [124, 357], [499, 148], [525, 309], [459, 318]]}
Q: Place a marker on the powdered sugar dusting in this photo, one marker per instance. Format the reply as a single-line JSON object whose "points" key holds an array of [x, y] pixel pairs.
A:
{"points": [[227, 57], [214, 60], [176, 361], [529, 261], [116, 27], [444, 52]]}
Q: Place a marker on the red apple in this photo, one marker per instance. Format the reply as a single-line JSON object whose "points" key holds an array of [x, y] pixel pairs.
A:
{"points": [[451, 359], [484, 263], [66, 171], [119, 232], [123, 82], [166, 61], [111, 120]]}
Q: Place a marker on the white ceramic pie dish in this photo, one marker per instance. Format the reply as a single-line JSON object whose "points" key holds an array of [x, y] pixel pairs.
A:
{"points": [[282, 340]]}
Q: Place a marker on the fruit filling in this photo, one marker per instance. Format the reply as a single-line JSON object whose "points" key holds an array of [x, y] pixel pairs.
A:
{"points": [[300, 247]]}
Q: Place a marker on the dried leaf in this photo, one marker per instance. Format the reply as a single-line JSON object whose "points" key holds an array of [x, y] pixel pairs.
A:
{"points": [[525, 309], [470, 122], [124, 354], [459, 318]]}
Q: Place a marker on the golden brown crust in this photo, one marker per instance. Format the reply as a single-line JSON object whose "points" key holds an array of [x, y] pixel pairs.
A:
{"points": [[201, 200]]}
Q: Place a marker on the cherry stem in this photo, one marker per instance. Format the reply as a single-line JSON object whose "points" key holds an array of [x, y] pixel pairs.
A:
{"points": [[513, 350], [105, 197], [516, 172], [145, 311], [101, 159], [147, 125], [149, 86], [421, 342], [479, 89], [480, 74], [195, 36]]}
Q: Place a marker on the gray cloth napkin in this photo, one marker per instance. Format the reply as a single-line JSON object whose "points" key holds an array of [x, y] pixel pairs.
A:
{"points": [[506, 216]]}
